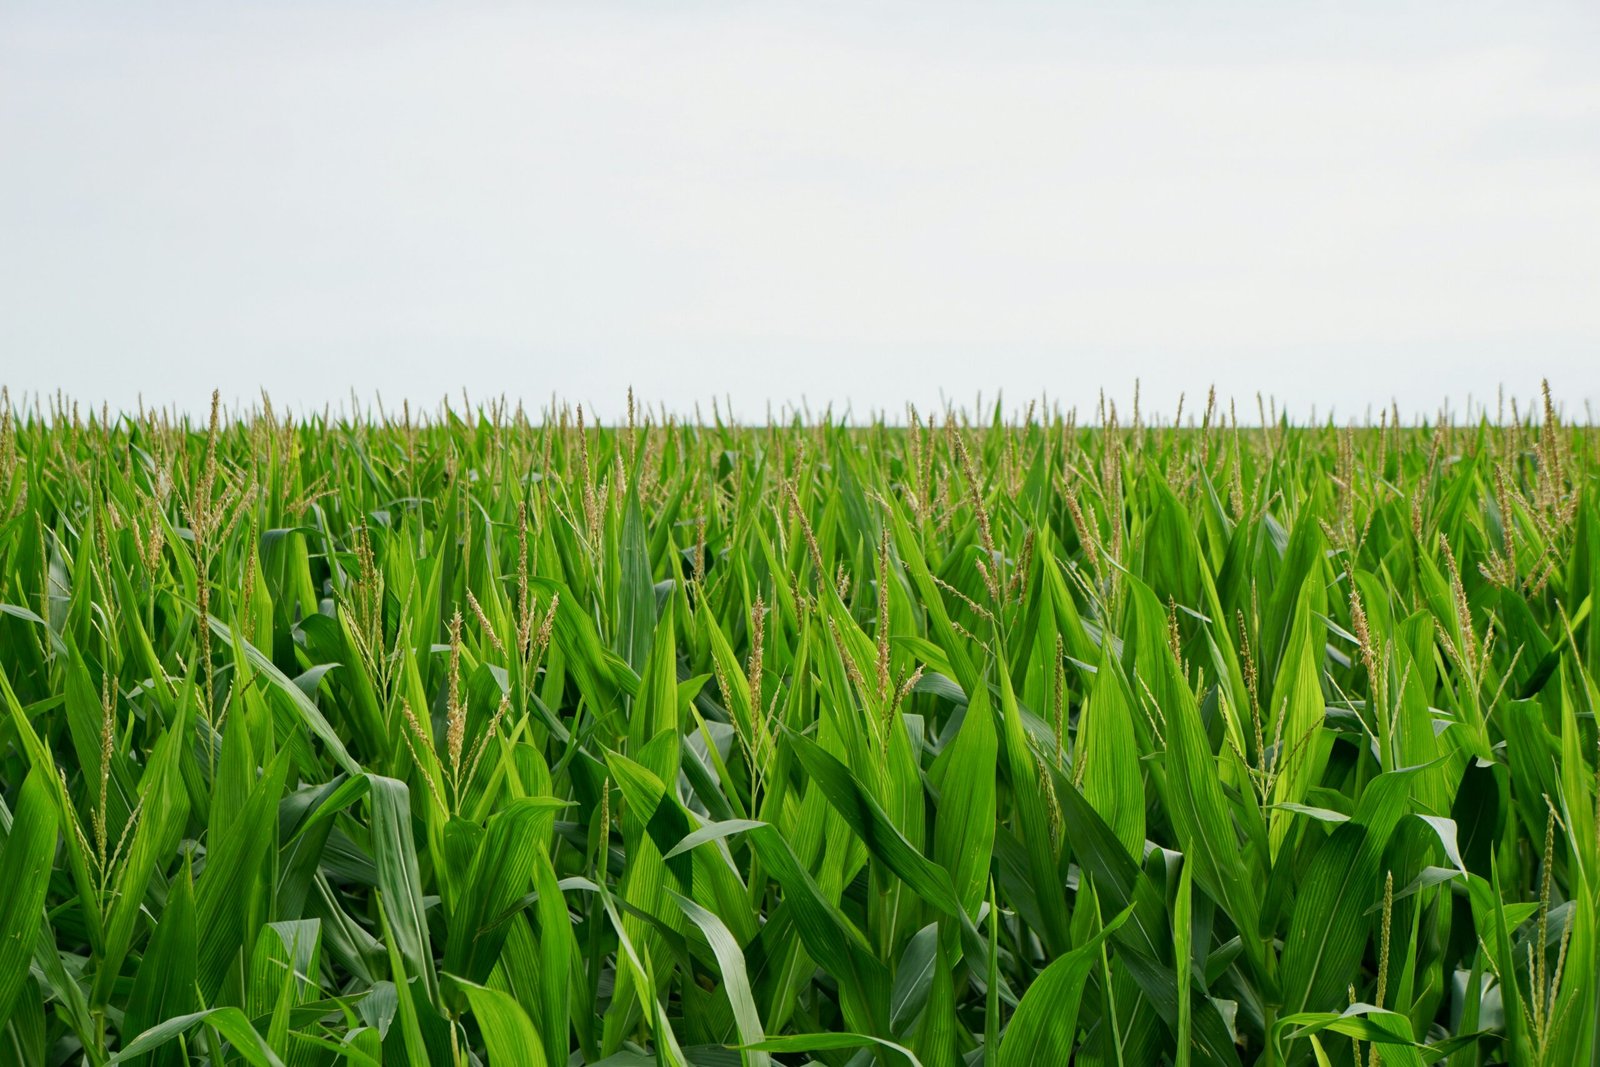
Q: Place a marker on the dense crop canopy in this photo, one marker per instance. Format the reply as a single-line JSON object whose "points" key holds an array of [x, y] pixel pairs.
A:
{"points": [[474, 740]]}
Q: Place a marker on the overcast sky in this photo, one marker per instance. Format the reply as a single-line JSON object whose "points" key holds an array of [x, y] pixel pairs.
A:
{"points": [[1336, 203]]}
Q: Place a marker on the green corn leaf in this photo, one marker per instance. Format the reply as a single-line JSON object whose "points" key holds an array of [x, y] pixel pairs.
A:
{"points": [[231, 1023], [1044, 1028], [869, 823], [507, 1032], [395, 855], [165, 986], [26, 858]]}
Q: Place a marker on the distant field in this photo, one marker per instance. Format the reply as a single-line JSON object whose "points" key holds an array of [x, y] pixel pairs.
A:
{"points": [[979, 741]]}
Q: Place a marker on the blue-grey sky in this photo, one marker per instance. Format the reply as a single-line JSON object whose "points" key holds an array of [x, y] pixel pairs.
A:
{"points": [[1336, 203]]}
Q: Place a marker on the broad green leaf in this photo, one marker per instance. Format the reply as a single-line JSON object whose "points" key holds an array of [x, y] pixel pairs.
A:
{"points": [[26, 859], [507, 1033], [1045, 1025]]}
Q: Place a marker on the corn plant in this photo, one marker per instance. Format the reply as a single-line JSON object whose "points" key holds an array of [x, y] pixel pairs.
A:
{"points": [[985, 738]]}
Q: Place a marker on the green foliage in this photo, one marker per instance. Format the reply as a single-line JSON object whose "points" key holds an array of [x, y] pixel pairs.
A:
{"points": [[483, 741]]}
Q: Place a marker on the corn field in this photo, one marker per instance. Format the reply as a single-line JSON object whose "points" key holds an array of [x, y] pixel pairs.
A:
{"points": [[482, 738]]}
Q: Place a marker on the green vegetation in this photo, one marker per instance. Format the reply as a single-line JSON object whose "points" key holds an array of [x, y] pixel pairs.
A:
{"points": [[476, 740]]}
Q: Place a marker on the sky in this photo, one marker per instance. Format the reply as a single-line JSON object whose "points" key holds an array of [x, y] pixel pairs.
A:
{"points": [[1339, 205]]}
